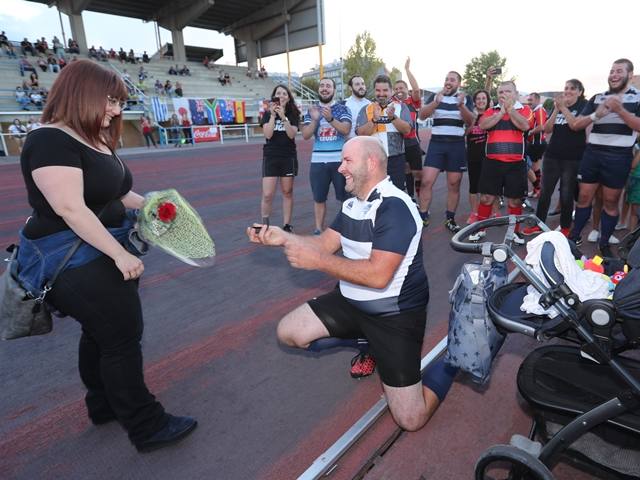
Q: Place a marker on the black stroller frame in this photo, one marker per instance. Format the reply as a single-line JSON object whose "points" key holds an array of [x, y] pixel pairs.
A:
{"points": [[529, 459]]}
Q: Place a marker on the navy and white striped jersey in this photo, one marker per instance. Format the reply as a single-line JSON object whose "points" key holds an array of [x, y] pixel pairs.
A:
{"points": [[447, 120], [610, 130], [387, 220]]}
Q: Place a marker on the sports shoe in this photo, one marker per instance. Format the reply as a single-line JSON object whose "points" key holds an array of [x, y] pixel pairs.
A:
{"points": [[476, 237], [594, 236], [288, 228], [517, 239], [425, 219], [451, 225], [613, 240], [175, 430], [473, 218], [362, 365], [531, 230], [577, 241], [526, 205], [565, 232], [605, 251], [535, 193], [621, 226]]}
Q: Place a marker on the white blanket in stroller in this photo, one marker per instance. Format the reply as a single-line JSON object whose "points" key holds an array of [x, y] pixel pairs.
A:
{"points": [[584, 283]]}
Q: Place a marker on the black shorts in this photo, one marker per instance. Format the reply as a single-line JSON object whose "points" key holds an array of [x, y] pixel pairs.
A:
{"points": [[395, 340], [503, 178], [474, 168], [535, 151], [279, 166], [413, 156]]}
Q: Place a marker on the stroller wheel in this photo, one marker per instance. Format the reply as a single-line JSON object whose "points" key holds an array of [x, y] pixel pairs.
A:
{"points": [[505, 462]]}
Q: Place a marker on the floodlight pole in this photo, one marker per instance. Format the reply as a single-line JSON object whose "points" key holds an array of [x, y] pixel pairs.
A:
{"points": [[64, 37], [286, 42], [319, 21]]}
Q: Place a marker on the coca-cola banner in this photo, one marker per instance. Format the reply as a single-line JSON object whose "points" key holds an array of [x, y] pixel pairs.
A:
{"points": [[206, 134]]}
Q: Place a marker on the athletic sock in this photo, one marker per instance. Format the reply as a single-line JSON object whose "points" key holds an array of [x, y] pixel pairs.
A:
{"points": [[607, 226], [580, 220], [515, 211], [409, 183], [450, 215], [438, 377], [536, 183], [424, 215], [332, 342], [417, 185], [484, 211]]}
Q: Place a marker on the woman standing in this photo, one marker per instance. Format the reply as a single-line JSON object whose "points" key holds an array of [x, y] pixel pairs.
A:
{"points": [[476, 146], [280, 158], [562, 157], [75, 148], [147, 130], [175, 130]]}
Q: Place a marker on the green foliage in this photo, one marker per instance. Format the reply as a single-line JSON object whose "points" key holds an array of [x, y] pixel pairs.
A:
{"points": [[475, 73], [311, 83], [548, 104], [395, 74], [362, 59]]}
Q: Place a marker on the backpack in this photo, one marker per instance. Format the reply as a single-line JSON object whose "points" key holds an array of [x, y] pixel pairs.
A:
{"points": [[473, 339]]}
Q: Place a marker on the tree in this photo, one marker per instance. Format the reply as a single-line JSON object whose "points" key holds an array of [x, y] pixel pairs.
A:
{"points": [[362, 59], [311, 83], [475, 73], [395, 75]]}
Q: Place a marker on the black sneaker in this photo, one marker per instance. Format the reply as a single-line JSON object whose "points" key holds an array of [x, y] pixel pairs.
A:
{"points": [[175, 430], [577, 241], [288, 228], [451, 225], [605, 251], [425, 219]]}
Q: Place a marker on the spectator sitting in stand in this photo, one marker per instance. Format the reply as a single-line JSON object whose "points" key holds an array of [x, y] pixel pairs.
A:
{"points": [[32, 124], [3, 39], [53, 63], [122, 55], [131, 57], [58, 48], [184, 71], [159, 88], [37, 99], [42, 46], [112, 54], [93, 53], [102, 54], [22, 98], [25, 65], [126, 77], [207, 63], [72, 46], [263, 72], [42, 63], [178, 89], [172, 70], [62, 62], [168, 88], [145, 57], [26, 46], [33, 81], [222, 79], [8, 50], [142, 74], [227, 78]]}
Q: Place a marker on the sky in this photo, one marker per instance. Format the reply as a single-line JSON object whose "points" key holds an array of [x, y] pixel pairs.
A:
{"points": [[545, 42]]}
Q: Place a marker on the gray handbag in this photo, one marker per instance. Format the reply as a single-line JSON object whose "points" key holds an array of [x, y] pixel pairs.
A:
{"points": [[21, 313]]}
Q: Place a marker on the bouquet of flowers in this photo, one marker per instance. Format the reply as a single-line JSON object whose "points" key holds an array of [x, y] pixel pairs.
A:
{"points": [[168, 221]]}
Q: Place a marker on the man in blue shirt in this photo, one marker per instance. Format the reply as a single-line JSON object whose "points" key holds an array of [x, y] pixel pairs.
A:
{"points": [[330, 123]]}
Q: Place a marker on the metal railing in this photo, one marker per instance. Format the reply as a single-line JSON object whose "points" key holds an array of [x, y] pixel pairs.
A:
{"points": [[212, 133], [304, 92]]}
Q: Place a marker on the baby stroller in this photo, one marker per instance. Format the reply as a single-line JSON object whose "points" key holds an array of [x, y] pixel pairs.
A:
{"points": [[584, 391]]}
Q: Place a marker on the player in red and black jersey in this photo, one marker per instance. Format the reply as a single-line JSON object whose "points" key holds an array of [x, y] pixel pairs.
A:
{"points": [[412, 150], [504, 169]]}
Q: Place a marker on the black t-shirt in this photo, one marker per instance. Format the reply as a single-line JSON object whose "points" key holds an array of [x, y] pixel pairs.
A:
{"points": [[565, 143], [279, 145], [105, 179], [476, 142]]}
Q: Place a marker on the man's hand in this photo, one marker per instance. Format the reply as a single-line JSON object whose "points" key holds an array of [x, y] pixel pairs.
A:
{"points": [[614, 104], [407, 63], [461, 98], [304, 255], [438, 98], [391, 110], [314, 113], [377, 112], [326, 113], [507, 104], [267, 235], [603, 109]]}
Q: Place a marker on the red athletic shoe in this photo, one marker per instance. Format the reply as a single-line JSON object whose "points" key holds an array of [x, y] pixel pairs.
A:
{"points": [[362, 365], [531, 230], [565, 231]]}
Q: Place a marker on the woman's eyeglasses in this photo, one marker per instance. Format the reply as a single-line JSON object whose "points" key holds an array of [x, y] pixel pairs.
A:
{"points": [[115, 102]]}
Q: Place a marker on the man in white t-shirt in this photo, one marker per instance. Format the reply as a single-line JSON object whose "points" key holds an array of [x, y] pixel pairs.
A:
{"points": [[357, 100]]}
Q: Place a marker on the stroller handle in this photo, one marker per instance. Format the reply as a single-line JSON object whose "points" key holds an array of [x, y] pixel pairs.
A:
{"points": [[459, 245]]}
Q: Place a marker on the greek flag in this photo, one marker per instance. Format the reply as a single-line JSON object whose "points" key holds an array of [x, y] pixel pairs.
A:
{"points": [[160, 111]]}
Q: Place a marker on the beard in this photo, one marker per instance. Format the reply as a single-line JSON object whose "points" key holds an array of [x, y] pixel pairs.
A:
{"points": [[621, 88], [360, 94], [326, 99]]}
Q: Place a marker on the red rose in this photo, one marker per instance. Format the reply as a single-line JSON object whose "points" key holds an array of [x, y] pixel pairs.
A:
{"points": [[166, 212]]}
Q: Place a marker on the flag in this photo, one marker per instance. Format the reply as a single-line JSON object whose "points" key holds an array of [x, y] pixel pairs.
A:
{"points": [[239, 104], [210, 110], [197, 109], [160, 111], [226, 112]]}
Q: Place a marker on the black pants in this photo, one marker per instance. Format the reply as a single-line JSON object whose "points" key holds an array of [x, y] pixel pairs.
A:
{"points": [[110, 355], [149, 138], [554, 169]]}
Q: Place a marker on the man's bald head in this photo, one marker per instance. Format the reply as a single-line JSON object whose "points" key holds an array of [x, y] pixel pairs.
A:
{"points": [[368, 147]]}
